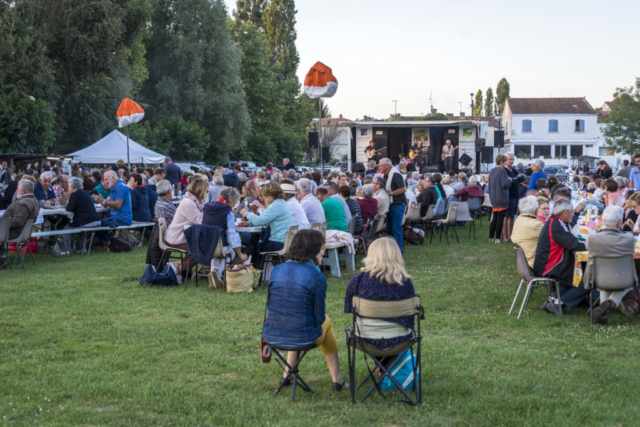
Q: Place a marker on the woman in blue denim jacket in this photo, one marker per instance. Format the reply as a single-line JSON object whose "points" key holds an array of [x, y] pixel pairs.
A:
{"points": [[297, 293]]}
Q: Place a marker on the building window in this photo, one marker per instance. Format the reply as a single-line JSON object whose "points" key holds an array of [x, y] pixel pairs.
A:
{"points": [[523, 151], [580, 126], [561, 151], [543, 151], [576, 151], [607, 151], [526, 126], [553, 126]]}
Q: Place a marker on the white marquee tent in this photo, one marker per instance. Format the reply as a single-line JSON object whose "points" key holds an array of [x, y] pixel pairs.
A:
{"points": [[113, 147]]}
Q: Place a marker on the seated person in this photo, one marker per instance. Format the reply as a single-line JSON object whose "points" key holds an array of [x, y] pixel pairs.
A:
{"points": [[297, 212], [543, 211], [277, 216], [250, 193], [428, 195], [334, 193], [139, 199], [611, 242], [379, 193], [164, 208], [119, 200], [613, 195], [354, 207], [333, 210], [61, 189], [297, 293], [527, 227], [470, 190], [81, 205], [217, 185], [368, 204], [555, 257], [220, 214], [25, 207], [100, 188], [383, 278], [311, 205], [189, 212], [43, 191]]}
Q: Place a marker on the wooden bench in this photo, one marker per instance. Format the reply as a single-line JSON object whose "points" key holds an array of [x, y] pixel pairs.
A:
{"points": [[333, 258]]}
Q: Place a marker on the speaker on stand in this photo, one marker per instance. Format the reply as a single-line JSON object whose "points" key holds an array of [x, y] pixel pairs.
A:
{"points": [[486, 158]]}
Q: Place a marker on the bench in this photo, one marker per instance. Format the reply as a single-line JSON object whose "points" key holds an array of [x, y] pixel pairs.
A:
{"points": [[333, 258]]}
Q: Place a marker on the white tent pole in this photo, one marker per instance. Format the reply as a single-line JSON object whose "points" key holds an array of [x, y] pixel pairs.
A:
{"points": [[128, 160]]}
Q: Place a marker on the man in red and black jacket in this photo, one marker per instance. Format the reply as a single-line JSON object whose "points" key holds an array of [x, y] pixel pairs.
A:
{"points": [[555, 257]]}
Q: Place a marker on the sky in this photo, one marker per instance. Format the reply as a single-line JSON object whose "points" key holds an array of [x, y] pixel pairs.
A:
{"points": [[409, 50]]}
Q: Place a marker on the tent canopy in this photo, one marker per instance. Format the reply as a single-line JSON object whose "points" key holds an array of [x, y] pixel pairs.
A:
{"points": [[113, 147]]}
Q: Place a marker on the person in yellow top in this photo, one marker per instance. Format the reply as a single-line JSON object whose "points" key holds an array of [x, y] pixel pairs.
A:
{"points": [[527, 228]]}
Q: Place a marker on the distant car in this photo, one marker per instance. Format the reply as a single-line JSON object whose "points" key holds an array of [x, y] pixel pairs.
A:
{"points": [[193, 167], [246, 165], [304, 169], [551, 170], [340, 167]]}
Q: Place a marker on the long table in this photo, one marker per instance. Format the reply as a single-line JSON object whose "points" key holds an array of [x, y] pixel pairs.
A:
{"points": [[583, 256]]}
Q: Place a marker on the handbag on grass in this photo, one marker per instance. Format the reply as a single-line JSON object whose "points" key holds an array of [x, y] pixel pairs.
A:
{"points": [[239, 278]]}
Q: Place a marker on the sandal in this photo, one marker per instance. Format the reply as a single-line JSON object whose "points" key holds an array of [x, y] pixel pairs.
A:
{"points": [[340, 386]]}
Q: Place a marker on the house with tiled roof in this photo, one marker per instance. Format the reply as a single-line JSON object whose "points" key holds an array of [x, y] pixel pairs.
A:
{"points": [[556, 130]]}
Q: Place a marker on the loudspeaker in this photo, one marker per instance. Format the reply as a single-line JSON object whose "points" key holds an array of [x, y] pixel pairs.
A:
{"points": [[487, 154], [325, 154], [498, 138], [479, 144], [465, 159], [313, 139]]}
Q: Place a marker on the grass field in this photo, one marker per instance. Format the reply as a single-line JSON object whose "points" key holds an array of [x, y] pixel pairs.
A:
{"points": [[81, 343]]}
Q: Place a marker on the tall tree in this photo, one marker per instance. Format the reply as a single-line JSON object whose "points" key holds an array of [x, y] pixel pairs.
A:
{"points": [[502, 93], [280, 23], [623, 133], [488, 103], [194, 72], [249, 11], [478, 104]]}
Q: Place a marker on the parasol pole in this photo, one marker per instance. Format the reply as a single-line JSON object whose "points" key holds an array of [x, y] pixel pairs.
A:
{"points": [[320, 137], [128, 160]]}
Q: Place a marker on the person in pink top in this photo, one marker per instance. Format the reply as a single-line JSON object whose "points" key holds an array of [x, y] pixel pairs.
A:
{"points": [[612, 195]]}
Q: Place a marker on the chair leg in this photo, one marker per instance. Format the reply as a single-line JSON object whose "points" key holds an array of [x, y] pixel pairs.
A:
{"points": [[455, 232], [513, 304], [591, 308], [527, 294]]}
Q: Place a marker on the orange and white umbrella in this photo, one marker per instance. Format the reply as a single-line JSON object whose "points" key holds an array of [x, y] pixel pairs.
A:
{"points": [[320, 82], [129, 112]]}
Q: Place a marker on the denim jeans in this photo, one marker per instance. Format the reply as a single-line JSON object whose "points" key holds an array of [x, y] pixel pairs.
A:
{"points": [[394, 223], [448, 164]]}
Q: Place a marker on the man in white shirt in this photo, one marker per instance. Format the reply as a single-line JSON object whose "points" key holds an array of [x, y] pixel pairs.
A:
{"points": [[312, 206], [299, 216], [380, 194]]}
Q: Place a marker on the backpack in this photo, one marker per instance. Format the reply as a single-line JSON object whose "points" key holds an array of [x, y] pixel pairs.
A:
{"points": [[402, 371], [412, 236], [166, 277], [118, 244]]}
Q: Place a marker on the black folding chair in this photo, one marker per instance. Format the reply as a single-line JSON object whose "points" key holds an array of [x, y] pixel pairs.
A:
{"points": [[297, 380], [364, 308]]}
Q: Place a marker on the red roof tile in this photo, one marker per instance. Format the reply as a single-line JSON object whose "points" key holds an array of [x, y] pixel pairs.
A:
{"points": [[550, 106]]}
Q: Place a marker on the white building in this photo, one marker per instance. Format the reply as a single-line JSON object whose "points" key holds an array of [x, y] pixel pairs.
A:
{"points": [[340, 138], [556, 130]]}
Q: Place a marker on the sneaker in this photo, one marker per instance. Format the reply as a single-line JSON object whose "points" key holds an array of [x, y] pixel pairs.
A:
{"points": [[138, 244], [214, 280], [552, 308]]}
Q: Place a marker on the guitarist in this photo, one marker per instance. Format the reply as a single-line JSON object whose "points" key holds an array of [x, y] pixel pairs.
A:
{"points": [[447, 155], [371, 152]]}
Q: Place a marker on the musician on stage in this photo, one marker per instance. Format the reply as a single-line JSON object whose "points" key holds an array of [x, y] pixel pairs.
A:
{"points": [[371, 152], [422, 160], [447, 155]]}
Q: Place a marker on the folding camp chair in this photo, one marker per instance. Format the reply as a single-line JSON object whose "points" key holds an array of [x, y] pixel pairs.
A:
{"points": [[281, 358], [356, 341]]}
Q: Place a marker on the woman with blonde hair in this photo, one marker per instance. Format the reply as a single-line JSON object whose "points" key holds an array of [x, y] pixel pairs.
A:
{"points": [[383, 278], [543, 208]]}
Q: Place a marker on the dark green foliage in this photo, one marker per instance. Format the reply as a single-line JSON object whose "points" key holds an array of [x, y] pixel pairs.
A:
{"points": [[478, 104], [279, 22], [26, 125], [623, 133], [488, 103], [249, 11], [435, 117], [502, 93], [174, 137], [194, 73]]}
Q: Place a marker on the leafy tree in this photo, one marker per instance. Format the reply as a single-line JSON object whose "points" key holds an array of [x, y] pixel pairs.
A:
{"points": [[26, 124], [322, 106], [435, 117], [477, 105], [623, 133], [194, 72], [174, 137], [279, 21], [488, 103], [249, 11], [502, 93]]}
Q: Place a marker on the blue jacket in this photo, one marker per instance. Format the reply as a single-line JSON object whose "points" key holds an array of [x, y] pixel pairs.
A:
{"points": [[153, 198], [173, 173], [296, 301], [140, 204], [202, 241], [230, 178]]}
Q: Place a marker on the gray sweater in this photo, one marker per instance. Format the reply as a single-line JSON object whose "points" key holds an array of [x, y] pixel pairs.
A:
{"points": [[499, 184]]}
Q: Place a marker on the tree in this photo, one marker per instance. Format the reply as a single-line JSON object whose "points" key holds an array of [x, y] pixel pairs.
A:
{"points": [[322, 106], [435, 117], [26, 124], [477, 105], [623, 133], [279, 21], [194, 72], [174, 137], [249, 11], [488, 103], [502, 94]]}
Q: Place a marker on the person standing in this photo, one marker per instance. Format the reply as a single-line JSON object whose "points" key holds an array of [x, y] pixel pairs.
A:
{"points": [[447, 152], [538, 172], [624, 170], [371, 152], [173, 173], [5, 175], [514, 196], [395, 189], [288, 165], [499, 184], [634, 172]]}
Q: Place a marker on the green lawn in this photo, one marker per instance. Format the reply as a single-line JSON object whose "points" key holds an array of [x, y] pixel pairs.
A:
{"points": [[81, 343]]}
